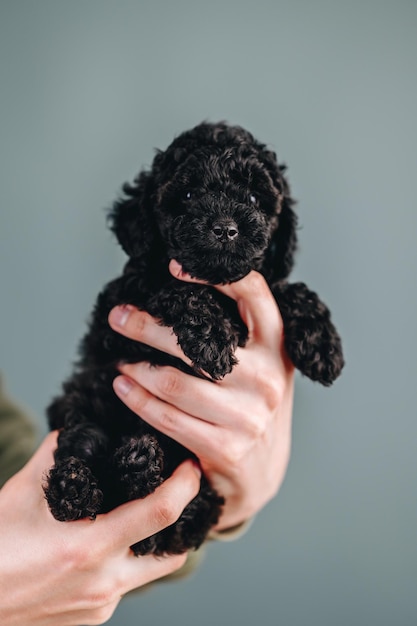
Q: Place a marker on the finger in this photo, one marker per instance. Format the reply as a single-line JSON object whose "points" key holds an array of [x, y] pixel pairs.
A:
{"points": [[255, 301], [194, 433], [200, 418], [146, 569], [139, 519], [192, 395], [140, 326]]}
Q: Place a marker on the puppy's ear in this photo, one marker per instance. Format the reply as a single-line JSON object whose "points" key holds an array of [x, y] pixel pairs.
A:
{"points": [[131, 218], [279, 258]]}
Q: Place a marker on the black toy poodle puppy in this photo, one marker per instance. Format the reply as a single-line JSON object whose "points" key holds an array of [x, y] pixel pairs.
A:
{"points": [[216, 201]]}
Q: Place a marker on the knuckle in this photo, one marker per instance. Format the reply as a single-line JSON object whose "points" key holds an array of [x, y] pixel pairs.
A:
{"points": [[137, 402], [78, 557], [168, 422], [255, 427], [274, 394], [166, 512], [232, 453], [139, 320], [170, 383], [271, 389]]}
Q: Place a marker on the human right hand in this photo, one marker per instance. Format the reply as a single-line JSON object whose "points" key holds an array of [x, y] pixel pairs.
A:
{"points": [[238, 427]]}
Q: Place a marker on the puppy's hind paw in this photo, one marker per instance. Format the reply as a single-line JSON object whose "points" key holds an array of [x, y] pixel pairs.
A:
{"points": [[139, 465], [72, 492]]}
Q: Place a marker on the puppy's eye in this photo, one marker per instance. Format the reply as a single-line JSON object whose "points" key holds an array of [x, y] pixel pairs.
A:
{"points": [[188, 195], [253, 199]]}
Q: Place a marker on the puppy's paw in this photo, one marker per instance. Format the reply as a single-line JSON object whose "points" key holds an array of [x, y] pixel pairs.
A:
{"points": [[316, 353], [210, 346], [139, 465], [311, 340], [216, 361], [72, 492]]}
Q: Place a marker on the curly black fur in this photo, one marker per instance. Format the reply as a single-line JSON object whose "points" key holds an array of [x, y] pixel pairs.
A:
{"points": [[216, 201]]}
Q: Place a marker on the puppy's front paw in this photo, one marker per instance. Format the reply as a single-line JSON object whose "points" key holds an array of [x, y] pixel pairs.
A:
{"points": [[210, 343], [211, 356], [311, 340], [317, 353], [216, 361], [72, 492]]}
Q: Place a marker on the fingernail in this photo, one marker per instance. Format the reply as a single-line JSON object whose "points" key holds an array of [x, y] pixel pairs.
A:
{"points": [[122, 385], [119, 315], [176, 268]]}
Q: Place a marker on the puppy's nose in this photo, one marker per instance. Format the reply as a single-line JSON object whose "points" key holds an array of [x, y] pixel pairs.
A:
{"points": [[225, 231]]}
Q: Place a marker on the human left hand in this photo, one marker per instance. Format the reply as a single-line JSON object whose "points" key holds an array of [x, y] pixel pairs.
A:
{"points": [[239, 427]]}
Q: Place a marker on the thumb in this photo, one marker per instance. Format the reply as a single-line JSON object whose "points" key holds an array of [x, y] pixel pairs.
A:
{"points": [[257, 306], [43, 459]]}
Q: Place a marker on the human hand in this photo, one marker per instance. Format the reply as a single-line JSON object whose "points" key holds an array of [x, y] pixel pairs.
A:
{"points": [[72, 573], [239, 427]]}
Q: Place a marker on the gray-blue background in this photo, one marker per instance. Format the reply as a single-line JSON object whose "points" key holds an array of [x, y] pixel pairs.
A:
{"points": [[88, 90]]}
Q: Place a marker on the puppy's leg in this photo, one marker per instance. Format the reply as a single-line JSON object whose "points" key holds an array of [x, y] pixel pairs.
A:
{"points": [[206, 324], [72, 490], [311, 339]]}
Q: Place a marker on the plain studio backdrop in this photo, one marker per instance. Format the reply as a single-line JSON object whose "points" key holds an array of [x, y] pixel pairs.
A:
{"points": [[88, 90]]}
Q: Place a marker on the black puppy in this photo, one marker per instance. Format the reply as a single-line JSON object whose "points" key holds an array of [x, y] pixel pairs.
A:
{"points": [[216, 201]]}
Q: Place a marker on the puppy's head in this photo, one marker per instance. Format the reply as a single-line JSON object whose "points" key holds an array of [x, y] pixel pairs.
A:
{"points": [[216, 201]]}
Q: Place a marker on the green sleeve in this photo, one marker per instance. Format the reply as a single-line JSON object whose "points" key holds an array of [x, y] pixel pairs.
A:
{"points": [[18, 437]]}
